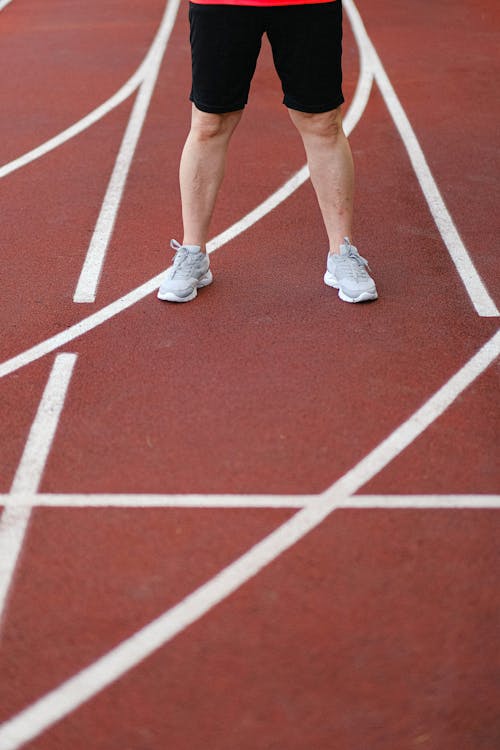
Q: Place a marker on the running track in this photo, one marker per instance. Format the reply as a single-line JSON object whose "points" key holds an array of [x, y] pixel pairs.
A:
{"points": [[267, 519]]}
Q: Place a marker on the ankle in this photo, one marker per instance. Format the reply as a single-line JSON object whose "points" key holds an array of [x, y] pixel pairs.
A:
{"points": [[195, 246], [336, 248]]}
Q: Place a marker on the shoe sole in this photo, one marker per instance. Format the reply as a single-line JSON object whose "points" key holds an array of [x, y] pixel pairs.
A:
{"points": [[172, 297], [368, 296]]}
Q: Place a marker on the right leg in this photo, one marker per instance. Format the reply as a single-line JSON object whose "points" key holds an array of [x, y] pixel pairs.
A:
{"points": [[202, 169]]}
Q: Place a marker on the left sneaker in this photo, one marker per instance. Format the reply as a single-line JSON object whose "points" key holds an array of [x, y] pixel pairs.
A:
{"points": [[190, 271], [347, 273]]}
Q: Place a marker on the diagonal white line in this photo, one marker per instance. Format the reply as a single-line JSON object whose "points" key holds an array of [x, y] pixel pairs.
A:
{"points": [[97, 114], [15, 518], [79, 329], [4, 3], [92, 268], [52, 707], [404, 435], [471, 280]]}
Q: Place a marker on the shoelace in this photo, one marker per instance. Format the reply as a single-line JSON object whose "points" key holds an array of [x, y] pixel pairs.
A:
{"points": [[357, 268], [181, 256]]}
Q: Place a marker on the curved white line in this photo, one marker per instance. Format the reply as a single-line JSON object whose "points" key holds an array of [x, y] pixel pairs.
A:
{"points": [[97, 114], [80, 688], [474, 285], [4, 4], [78, 127], [353, 116]]}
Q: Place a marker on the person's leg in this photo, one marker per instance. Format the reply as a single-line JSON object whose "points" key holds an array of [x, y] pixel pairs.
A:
{"points": [[202, 169], [332, 175], [225, 44], [331, 167], [307, 49]]}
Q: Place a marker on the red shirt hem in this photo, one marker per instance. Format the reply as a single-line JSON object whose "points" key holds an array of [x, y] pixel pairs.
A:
{"points": [[260, 3]]}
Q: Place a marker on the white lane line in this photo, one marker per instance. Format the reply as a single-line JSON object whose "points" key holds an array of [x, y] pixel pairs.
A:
{"points": [[32, 499], [71, 694], [92, 268], [15, 517], [473, 283], [78, 127], [389, 502], [87, 324], [407, 433], [423, 502], [97, 114], [80, 328], [4, 3]]}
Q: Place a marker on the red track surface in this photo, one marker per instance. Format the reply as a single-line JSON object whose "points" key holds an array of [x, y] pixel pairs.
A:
{"points": [[379, 628]]}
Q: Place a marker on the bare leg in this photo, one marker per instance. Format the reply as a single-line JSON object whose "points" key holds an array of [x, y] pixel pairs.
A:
{"points": [[332, 171], [201, 171]]}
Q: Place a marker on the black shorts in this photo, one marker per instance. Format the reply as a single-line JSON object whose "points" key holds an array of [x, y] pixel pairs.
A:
{"points": [[306, 41]]}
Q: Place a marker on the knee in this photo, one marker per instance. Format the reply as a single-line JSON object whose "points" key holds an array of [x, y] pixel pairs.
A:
{"points": [[206, 126], [326, 125]]}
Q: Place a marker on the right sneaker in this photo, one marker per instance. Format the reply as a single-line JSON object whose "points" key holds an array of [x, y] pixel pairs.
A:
{"points": [[190, 271], [347, 273]]}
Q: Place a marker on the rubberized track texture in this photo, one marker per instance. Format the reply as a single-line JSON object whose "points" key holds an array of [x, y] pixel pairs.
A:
{"points": [[265, 519]]}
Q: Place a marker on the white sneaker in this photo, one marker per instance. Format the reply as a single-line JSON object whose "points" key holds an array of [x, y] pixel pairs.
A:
{"points": [[189, 272], [347, 273]]}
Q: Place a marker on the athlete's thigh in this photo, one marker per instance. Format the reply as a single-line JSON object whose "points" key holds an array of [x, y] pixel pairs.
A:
{"points": [[307, 48], [225, 44]]}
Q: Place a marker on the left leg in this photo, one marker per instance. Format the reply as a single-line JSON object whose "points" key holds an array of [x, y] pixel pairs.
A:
{"points": [[331, 167], [307, 48], [332, 175]]}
